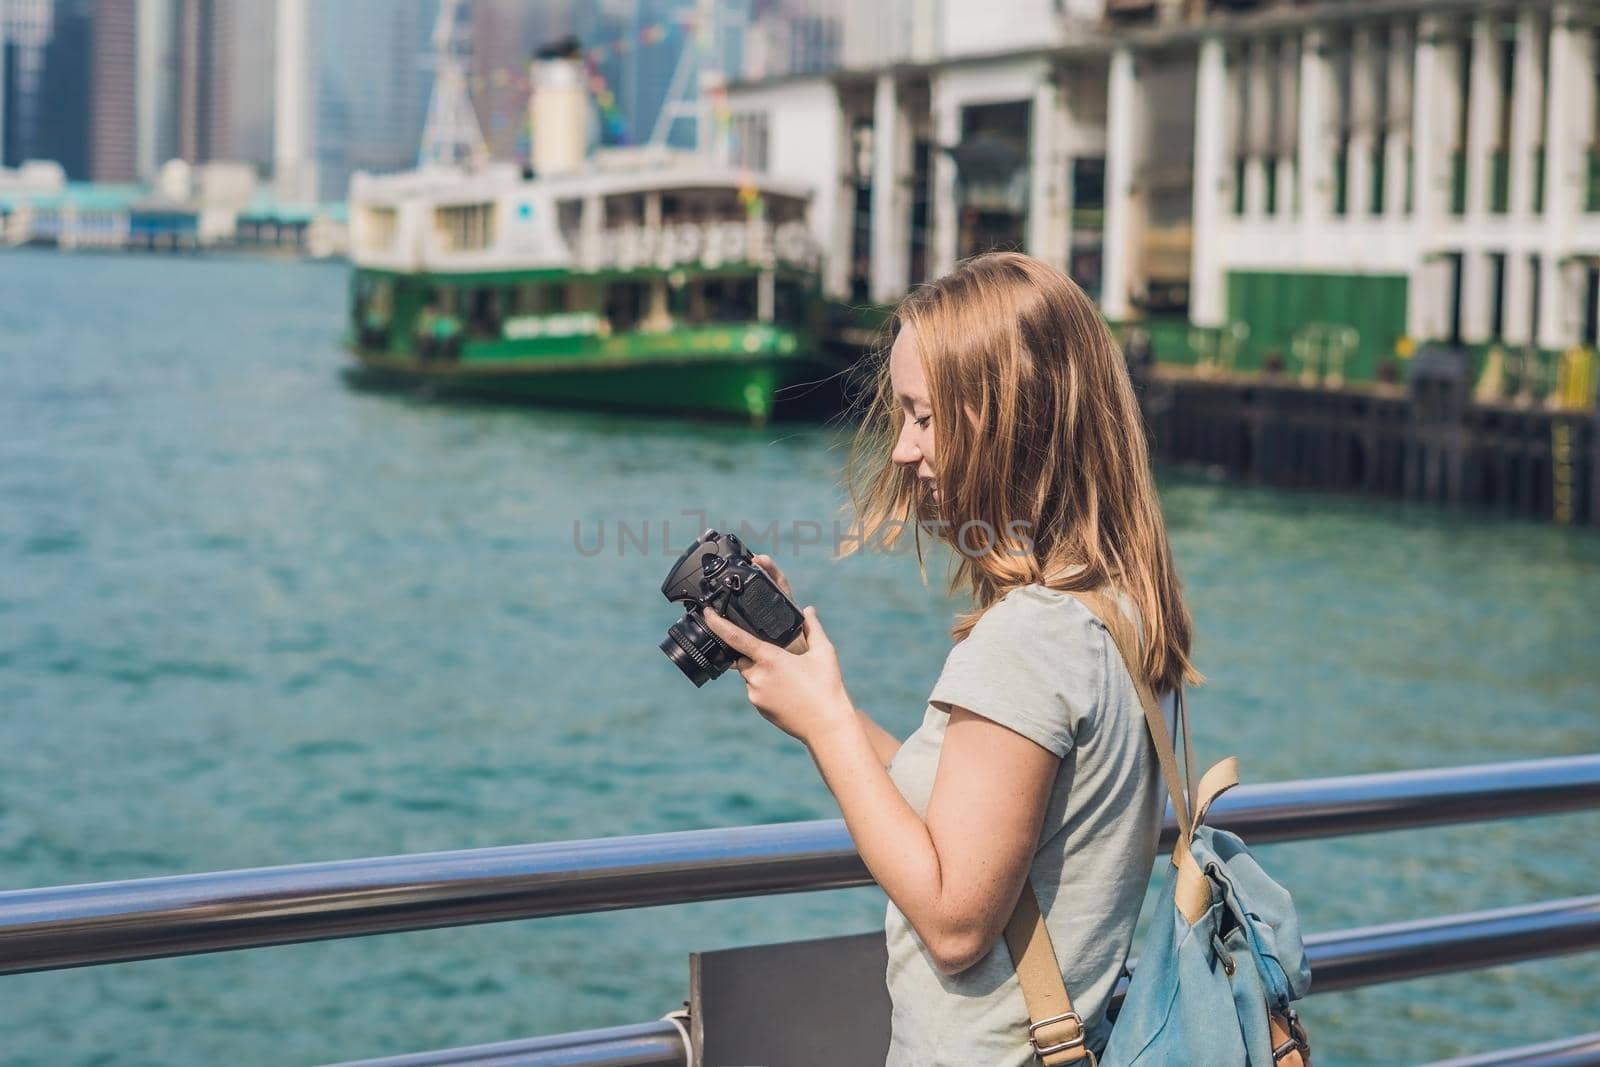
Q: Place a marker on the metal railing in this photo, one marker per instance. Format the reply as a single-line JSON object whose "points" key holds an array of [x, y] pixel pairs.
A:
{"points": [[71, 926]]}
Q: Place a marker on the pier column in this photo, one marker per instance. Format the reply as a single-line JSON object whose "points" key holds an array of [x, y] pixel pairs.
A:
{"points": [[1122, 124], [1483, 109], [891, 207], [1364, 120], [838, 263], [1256, 138], [1568, 120], [1483, 112], [1527, 108], [1285, 134], [1397, 146], [1047, 178], [1430, 177], [1316, 149], [1207, 299], [945, 229]]}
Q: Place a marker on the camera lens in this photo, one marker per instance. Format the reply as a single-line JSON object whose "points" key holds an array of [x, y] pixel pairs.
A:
{"points": [[696, 650]]}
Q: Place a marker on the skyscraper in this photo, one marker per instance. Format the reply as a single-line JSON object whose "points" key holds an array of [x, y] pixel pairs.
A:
{"points": [[155, 61], [113, 93], [251, 95], [61, 113], [352, 91], [25, 27], [203, 83]]}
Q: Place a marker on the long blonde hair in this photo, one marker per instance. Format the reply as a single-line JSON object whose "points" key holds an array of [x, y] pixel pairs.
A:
{"points": [[1039, 448]]}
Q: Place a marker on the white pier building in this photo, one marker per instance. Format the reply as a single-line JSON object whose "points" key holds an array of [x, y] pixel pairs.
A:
{"points": [[1418, 170]]}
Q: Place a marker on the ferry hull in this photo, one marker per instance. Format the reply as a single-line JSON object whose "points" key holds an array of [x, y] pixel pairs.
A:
{"points": [[721, 386]]}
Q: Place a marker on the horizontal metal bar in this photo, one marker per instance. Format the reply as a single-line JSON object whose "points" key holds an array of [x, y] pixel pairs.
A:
{"points": [[109, 922], [1393, 952], [654, 1044], [1346, 959], [1581, 1051]]}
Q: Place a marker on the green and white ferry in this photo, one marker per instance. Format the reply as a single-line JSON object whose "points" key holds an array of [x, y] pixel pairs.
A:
{"points": [[643, 279]]}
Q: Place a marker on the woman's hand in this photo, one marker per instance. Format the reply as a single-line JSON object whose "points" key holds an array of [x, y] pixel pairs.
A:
{"points": [[801, 693]]}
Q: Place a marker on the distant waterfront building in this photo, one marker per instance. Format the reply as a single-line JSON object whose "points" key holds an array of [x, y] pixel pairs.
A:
{"points": [[1412, 172]]}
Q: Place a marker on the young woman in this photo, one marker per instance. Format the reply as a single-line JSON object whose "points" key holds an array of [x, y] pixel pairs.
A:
{"points": [[1005, 423]]}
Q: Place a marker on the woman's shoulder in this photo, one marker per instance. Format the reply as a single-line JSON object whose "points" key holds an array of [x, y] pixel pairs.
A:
{"points": [[1037, 605], [1043, 623]]}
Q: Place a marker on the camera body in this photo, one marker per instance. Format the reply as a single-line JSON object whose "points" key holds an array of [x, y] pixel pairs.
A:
{"points": [[719, 573]]}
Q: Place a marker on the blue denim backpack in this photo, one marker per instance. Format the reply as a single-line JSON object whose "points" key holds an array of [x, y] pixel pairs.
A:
{"points": [[1223, 959]]}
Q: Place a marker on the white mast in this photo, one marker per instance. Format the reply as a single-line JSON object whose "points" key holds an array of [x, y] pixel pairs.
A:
{"points": [[451, 136]]}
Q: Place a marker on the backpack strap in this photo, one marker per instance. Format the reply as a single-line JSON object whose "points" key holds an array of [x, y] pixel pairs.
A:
{"points": [[1057, 1033], [1193, 895]]}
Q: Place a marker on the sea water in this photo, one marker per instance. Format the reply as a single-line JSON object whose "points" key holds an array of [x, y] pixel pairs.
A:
{"points": [[249, 616]]}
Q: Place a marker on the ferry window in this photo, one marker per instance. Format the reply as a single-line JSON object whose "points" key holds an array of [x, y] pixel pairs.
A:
{"points": [[625, 302], [730, 299], [484, 312], [578, 296], [789, 303], [382, 227], [569, 218], [465, 227], [529, 299]]}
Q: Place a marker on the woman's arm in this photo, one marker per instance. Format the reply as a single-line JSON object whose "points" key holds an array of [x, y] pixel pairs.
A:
{"points": [[955, 876], [884, 744]]}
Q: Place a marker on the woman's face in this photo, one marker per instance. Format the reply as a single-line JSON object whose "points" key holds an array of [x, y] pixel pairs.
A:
{"points": [[914, 448]]}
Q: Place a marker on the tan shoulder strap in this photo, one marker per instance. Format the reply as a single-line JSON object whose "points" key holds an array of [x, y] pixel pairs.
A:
{"points": [[1120, 627], [1057, 1032]]}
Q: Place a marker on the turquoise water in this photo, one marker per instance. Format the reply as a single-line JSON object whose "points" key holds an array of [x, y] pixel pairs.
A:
{"points": [[250, 617]]}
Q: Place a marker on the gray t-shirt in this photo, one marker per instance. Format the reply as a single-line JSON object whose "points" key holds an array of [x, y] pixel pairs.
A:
{"points": [[1039, 663]]}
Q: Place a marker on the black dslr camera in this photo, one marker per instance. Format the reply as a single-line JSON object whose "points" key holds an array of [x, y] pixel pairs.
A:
{"points": [[719, 573]]}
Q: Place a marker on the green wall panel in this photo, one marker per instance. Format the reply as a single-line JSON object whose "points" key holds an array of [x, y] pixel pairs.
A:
{"points": [[1276, 304]]}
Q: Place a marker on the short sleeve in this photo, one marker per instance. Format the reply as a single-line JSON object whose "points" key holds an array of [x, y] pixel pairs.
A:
{"points": [[1034, 663]]}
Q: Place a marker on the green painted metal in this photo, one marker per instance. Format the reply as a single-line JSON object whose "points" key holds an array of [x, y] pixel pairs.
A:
{"points": [[1458, 182], [1591, 195], [1277, 304], [1500, 182], [730, 386], [1341, 179], [1379, 172], [1538, 180]]}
